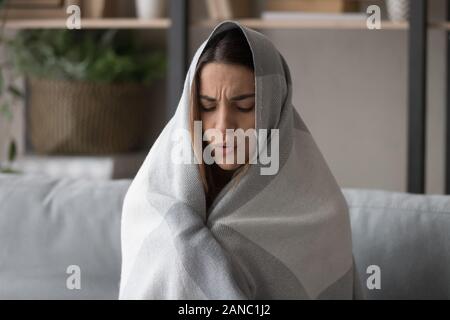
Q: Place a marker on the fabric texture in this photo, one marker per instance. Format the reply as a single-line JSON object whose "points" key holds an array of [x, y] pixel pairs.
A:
{"points": [[48, 225], [282, 236], [407, 236]]}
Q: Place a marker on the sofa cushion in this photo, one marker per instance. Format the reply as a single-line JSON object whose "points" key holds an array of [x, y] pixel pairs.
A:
{"points": [[47, 225], [407, 236]]}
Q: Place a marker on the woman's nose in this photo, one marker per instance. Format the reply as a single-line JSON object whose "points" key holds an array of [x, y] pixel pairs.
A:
{"points": [[224, 118]]}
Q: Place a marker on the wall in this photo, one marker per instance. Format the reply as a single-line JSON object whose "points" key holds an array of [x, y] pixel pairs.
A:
{"points": [[350, 87]]}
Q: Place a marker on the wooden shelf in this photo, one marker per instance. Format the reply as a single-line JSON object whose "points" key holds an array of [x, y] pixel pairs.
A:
{"points": [[106, 23], [256, 23], [309, 24], [440, 25]]}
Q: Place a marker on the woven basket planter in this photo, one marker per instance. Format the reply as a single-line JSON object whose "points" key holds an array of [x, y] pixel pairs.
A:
{"points": [[87, 118]]}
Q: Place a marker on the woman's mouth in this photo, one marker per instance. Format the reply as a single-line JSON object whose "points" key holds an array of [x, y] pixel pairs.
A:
{"points": [[227, 149], [224, 149]]}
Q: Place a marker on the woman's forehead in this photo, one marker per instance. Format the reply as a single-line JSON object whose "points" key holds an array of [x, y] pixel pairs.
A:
{"points": [[215, 75]]}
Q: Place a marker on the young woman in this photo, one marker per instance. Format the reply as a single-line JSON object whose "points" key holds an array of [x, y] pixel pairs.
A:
{"points": [[223, 97], [271, 223]]}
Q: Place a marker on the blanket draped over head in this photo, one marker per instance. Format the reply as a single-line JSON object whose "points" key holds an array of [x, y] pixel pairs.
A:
{"points": [[282, 236]]}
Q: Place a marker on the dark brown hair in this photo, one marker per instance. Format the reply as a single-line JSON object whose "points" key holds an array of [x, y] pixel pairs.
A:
{"points": [[230, 47]]}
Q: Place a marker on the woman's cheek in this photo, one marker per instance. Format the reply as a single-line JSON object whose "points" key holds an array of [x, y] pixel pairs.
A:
{"points": [[206, 122], [250, 122]]}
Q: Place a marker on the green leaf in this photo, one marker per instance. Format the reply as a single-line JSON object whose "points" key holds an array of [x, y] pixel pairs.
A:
{"points": [[15, 91], [5, 110], [2, 82], [87, 55], [12, 151]]}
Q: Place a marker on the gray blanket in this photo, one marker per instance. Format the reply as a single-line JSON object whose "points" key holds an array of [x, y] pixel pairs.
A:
{"points": [[280, 236]]}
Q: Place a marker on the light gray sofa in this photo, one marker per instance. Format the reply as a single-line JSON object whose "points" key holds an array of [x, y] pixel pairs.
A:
{"points": [[47, 225]]}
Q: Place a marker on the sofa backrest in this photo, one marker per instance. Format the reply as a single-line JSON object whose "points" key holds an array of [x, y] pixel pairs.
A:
{"points": [[52, 230], [406, 237]]}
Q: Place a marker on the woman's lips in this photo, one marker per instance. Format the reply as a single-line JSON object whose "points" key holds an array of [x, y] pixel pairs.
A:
{"points": [[227, 150]]}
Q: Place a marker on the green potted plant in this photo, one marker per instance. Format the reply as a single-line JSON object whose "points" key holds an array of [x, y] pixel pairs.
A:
{"points": [[88, 90], [9, 97]]}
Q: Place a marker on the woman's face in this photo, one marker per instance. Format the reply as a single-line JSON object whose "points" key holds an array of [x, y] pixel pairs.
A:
{"points": [[227, 101]]}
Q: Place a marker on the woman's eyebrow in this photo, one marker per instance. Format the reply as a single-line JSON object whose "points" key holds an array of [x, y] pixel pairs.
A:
{"points": [[207, 98], [236, 98], [243, 96]]}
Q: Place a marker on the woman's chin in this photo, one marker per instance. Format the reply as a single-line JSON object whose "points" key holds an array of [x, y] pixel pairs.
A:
{"points": [[228, 167]]}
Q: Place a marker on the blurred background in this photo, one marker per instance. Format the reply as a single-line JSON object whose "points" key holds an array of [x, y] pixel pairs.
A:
{"points": [[89, 103]]}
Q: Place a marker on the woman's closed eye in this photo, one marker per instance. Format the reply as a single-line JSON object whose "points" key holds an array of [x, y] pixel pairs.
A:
{"points": [[243, 103], [208, 106], [245, 108], [212, 107]]}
